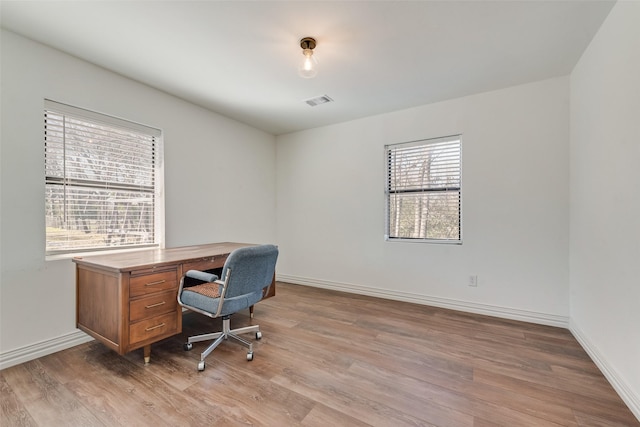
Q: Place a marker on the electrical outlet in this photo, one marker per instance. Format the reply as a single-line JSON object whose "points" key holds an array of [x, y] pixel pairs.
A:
{"points": [[473, 281]]}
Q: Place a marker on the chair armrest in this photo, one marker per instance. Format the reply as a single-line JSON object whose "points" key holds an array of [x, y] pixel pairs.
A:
{"points": [[201, 275]]}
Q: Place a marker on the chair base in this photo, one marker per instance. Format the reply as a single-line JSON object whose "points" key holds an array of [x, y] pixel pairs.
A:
{"points": [[226, 333]]}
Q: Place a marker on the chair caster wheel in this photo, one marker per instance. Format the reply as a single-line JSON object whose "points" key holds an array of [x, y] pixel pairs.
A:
{"points": [[258, 335], [187, 346], [201, 365], [249, 357]]}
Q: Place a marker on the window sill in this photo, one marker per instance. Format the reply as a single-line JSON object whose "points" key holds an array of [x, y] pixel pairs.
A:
{"points": [[433, 241]]}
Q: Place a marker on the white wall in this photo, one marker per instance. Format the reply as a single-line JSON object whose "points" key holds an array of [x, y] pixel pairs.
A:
{"points": [[219, 179], [605, 200], [330, 206]]}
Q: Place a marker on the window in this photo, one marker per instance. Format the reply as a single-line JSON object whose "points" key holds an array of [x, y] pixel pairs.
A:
{"points": [[423, 190], [102, 179]]}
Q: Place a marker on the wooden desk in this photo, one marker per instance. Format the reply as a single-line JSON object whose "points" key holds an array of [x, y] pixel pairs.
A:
{"points": [[129, 300]]}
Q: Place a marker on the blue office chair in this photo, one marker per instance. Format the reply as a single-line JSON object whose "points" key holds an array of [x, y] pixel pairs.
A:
{"points": [[248, 272]]}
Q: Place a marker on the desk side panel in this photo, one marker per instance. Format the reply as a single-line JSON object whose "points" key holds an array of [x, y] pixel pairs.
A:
{"points": [[98, 305]]}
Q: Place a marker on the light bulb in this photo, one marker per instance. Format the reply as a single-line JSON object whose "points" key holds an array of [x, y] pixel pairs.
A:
{"points": [[309, 66]]}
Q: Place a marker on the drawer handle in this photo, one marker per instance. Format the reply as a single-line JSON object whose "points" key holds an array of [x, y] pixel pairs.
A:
{"points": [[159, 282], [156, 304], [151, 328]]}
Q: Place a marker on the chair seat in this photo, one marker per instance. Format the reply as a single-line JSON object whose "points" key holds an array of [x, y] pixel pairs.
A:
{"points": [[208, 304], [211, 290]]}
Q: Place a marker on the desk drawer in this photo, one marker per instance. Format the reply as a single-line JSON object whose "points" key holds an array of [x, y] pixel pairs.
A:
{"points": [[205, 263], [153, 305], [156, 282], [166, 324]]}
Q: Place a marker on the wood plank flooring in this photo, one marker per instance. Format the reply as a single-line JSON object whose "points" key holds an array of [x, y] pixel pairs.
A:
{"points": [[326, 359]]}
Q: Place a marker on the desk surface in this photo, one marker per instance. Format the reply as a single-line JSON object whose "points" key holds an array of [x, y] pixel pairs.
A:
{"points": [[128, 261]]}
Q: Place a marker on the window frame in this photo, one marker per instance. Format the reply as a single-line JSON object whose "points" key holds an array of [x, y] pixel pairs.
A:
{"points": [[388, 191], [156, 164]]}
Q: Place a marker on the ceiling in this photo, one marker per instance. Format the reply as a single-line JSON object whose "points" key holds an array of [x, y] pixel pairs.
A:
{"points": [[240, 58]]}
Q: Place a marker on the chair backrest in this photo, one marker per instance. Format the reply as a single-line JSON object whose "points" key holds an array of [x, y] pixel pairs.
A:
{"points": [[252, 269]]}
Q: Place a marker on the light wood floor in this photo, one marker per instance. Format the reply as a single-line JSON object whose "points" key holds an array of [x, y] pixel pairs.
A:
{"points": [[327, 359]]}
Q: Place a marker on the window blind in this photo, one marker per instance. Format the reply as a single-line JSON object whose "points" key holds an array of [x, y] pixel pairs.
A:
{"points": [[424, 190], [100, 181]]}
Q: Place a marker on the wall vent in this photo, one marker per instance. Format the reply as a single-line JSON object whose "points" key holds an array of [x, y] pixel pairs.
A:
{"points": [[318, 100]]}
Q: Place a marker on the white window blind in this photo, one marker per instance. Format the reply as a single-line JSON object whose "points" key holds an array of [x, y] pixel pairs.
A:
{"points": [[423, 190], [100, 181]]}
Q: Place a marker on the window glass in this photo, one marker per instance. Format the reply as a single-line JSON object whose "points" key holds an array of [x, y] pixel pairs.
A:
{"points": [[101, 181], [423, 190]]}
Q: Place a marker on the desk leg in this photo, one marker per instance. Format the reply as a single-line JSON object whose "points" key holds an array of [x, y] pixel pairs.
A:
{"points": [[251, 312], [147, 354]]}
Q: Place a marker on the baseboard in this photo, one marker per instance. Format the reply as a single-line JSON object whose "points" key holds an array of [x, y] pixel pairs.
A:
{"points": [[617, 382], [471, 307], [43, 348]]}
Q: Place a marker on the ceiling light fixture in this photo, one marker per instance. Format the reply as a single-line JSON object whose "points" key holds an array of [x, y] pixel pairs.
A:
{"points": [[309, 68]]}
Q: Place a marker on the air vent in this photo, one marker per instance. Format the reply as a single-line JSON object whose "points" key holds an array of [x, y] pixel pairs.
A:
{"points": [[318, 100]]}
